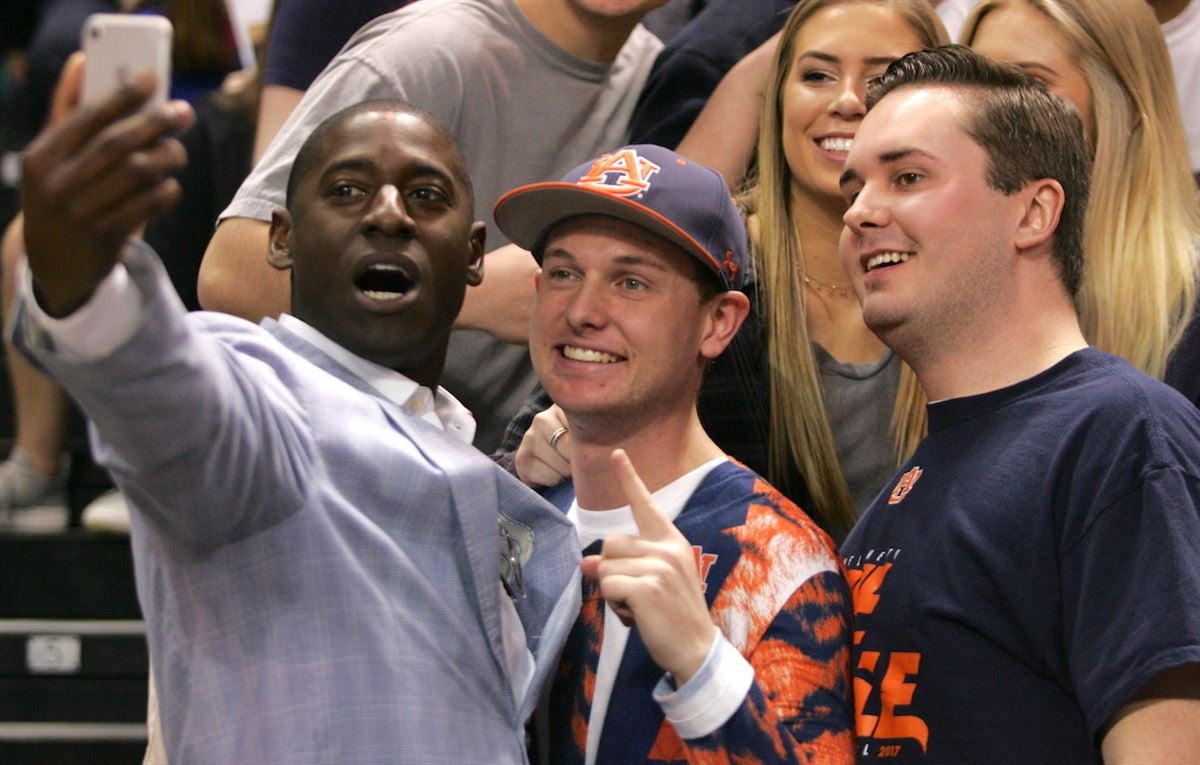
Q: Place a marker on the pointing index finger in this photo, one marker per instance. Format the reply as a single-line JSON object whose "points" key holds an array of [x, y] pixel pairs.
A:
{"points": [[651, 522]]}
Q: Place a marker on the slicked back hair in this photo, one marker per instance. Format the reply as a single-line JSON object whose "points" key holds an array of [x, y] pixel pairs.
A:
{"points": [[1027, 133]]}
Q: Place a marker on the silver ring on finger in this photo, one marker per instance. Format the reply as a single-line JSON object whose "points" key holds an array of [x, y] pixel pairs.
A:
{"points": [[557, 434]]}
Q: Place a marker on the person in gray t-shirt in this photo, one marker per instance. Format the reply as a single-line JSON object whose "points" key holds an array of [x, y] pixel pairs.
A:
{"points": [[525, 95]]}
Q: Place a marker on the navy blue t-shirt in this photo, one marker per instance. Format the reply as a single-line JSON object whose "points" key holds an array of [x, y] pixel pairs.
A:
{"points": [[691, 65], [307, 34], [1029, 570]]}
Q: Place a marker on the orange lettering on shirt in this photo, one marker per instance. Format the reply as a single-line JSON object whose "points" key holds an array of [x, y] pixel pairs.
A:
{"points": [[865, 584], [704, 563], [896, 690]]}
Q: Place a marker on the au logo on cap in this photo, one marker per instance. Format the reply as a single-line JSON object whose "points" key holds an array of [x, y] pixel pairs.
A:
{"points": [[623, 173]]}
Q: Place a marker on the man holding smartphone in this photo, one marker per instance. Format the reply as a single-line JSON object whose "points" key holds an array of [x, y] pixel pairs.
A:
{"points": [[316, 544]]}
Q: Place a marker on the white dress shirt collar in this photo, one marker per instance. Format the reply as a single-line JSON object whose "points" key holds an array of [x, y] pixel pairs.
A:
{"points": [[439, 408]]}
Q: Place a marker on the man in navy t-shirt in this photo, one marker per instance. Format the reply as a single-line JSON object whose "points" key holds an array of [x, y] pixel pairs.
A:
{"points": [[1027, 589]]}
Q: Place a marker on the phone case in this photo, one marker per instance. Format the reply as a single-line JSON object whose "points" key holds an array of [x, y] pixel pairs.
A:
{"points": [[117, 45]]}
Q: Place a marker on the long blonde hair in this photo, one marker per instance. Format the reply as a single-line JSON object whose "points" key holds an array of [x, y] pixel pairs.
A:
{"points": [[1143, 220], [800, 430]]}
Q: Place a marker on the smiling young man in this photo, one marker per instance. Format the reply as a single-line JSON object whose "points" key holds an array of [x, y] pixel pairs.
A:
{"points": [[739, 611], [1027, 590], [315, 540]]}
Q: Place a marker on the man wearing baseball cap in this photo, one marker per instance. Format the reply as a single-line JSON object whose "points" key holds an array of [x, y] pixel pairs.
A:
{"points": [[715, 618]]}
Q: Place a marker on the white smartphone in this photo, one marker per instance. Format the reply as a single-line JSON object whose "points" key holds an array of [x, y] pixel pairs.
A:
{"points": [[117, 45]]}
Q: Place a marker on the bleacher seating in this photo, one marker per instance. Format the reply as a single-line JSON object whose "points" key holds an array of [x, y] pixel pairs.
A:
{"points": [[73, 664]]}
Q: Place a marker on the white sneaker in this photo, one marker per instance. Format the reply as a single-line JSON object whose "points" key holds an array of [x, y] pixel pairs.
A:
{"points": [[107, 514], [29, 500]]}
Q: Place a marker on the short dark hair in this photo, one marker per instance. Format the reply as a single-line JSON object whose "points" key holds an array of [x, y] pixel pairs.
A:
{"points": [[1027, 132], [312, 146], [707, 282]]}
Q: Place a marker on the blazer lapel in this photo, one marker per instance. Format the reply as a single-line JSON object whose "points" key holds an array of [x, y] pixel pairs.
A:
{"points": [[471, 482], [550, 561], [471, 489]]}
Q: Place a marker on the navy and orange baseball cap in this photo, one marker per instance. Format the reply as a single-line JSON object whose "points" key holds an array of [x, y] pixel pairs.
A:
{"points": [[654, 188]]}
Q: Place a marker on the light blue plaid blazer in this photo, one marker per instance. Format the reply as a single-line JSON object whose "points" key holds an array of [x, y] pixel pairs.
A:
{"points": [[318, 569]]}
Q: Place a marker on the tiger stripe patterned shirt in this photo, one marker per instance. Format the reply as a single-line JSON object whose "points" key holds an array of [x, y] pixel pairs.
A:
{"points": [[775, 685]]}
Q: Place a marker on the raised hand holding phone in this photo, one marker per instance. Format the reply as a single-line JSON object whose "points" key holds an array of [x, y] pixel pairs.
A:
{"points": [[90, 181], [651, 581]]}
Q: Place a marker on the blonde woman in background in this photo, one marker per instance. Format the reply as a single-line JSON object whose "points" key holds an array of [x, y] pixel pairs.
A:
{"points": [[823, 385], [835, 409], [1109, 59]]}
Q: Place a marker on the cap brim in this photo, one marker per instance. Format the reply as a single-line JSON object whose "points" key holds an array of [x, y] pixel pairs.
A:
{"points": [[527, 213]]}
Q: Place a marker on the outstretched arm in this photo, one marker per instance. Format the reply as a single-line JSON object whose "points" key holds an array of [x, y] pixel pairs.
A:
{"points": [[235, 276], [502, 304], [726, 130], [208, 443]]}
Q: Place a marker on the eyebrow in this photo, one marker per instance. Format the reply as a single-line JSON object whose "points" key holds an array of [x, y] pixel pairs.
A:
{"points": [[832, 59], [641, 260], [1036, 65], [886, 158], [350, 163]]}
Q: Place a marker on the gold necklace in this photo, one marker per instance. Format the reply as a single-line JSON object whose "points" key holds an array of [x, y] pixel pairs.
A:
{"points": [[833, 290]]}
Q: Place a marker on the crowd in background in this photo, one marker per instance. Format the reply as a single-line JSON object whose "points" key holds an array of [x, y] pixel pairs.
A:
{"points": [[806, 394]]}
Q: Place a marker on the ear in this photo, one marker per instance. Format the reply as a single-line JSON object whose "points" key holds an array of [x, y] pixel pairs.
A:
{"points": [[1043, 204], [279, 249], [475, 264], [726, 312]]}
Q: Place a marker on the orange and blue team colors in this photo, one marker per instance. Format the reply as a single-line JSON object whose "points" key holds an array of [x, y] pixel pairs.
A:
{"points": [[776, 589]]}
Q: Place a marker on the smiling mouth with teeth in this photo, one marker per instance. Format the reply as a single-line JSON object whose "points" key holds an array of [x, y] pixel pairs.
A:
{"points": [[584, 354], [838, 145], [887, 259], [383, 281]]}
